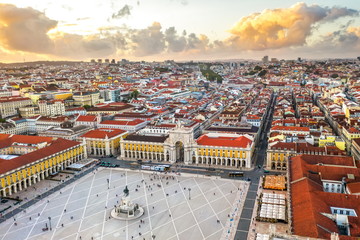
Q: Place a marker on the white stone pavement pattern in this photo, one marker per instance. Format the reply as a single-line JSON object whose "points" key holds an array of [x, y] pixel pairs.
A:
{"points": [[82, 209]]}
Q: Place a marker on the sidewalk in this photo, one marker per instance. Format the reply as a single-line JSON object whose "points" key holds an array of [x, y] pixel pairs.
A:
{"points": [[265, 227], [237, 209], [39, 191]]}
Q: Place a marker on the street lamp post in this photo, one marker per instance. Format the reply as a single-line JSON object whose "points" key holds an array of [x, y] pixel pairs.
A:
{"points": [[49, 222], [189, 193]]}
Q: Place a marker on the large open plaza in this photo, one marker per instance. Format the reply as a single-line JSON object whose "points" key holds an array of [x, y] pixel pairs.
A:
{"points": [[176, 207]]}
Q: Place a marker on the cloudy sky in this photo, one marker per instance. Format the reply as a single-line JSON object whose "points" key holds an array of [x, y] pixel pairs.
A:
{"points": [[177, 29]]}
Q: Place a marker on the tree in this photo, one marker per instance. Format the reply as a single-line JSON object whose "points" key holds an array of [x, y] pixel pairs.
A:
{"points": [[262, 73], [257, 68], [334, 75], [162, 69], [134, 94], [251, 73], [86, 106]]}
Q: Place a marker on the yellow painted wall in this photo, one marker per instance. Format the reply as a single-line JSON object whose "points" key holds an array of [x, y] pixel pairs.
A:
{"points": [[341, 145], [63, 96], [38, 167], [34, 97]]}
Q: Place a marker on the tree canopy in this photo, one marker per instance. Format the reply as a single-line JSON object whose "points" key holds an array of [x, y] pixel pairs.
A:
{"points": [[334, 75], [134, 94]]}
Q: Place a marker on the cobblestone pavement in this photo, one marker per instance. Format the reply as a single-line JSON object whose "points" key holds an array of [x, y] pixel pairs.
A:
{"points": [[81, 209]]}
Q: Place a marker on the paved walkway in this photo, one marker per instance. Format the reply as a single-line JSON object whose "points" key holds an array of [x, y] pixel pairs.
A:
{"points": [[246, 215], [39, 191], [271, 229], [172, 211]]}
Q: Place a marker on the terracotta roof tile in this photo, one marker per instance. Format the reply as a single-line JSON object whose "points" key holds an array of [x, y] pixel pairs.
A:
{"points": [[124, 123], [239, 142], [102, 133], [53, 147], [87, 118], [309, 201]]}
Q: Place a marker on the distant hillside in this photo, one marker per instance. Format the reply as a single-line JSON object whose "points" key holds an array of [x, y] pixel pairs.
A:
{"points": [[48, 63]]}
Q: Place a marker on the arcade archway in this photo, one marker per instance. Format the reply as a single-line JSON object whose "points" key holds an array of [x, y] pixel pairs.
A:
{"points": [[179, 146]]}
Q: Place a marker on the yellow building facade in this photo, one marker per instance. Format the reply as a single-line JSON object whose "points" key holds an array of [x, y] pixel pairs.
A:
{"points": [[145, 151], [41, 159], [232, 150], [332, 140], [103, 142]]}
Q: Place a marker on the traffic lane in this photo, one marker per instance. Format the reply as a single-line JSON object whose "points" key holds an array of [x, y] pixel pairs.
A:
{"points": [[244, 224], [251, 195], [253, 187], [249, 203], [241, 235], [246, 213]]}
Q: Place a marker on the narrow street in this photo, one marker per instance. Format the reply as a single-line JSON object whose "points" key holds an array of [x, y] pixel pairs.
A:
{"points": [[259, 158]]}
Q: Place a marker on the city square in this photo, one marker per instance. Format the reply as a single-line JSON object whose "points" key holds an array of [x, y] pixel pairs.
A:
{"points": [[179, 120], [176, 207]]}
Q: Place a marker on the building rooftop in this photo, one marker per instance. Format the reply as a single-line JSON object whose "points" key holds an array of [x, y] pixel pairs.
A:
{"points": [[239, 142], [103, 133], [53, 146], [145, 138]]}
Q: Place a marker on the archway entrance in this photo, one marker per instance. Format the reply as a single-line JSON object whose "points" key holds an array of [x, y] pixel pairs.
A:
{"points": [[179, 147]]}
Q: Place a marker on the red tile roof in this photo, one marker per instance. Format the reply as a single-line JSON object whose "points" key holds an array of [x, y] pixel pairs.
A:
{"points": [[102, 133], [119, 122], [238, 142], [353, 130], [53, 147], [13, 99], [54, 119], [6, 140], [309, 201], [290, 128], [86, 118], [354, 187]]}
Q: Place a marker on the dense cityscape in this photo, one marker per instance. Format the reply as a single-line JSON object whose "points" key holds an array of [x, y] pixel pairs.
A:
{"points": [[179, 120], [285, 133]]}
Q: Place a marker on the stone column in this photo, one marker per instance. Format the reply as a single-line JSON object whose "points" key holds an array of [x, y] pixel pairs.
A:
{"points": [[122, 149], [248, 161], [94, 147], [107, 147]]}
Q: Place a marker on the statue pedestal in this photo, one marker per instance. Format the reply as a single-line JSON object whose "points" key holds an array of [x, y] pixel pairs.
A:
{"points": [[127, 210]]}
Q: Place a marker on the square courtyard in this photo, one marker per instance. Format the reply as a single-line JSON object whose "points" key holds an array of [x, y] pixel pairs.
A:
{"points": [[176, 207]]}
